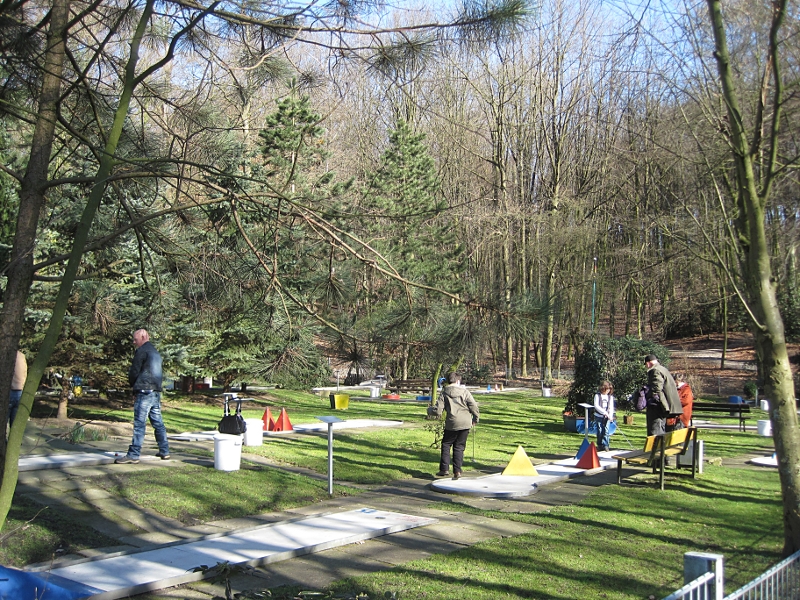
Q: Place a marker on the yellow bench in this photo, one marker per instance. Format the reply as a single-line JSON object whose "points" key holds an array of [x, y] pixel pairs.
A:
{"points": [[656, 450]]}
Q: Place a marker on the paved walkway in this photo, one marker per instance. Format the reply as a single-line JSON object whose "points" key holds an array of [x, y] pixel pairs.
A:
{"points": [[65, 490]]}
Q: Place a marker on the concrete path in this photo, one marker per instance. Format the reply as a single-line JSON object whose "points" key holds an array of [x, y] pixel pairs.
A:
{"points": [[126, 574]]}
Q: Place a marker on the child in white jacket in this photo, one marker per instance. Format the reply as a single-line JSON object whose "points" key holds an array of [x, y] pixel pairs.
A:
{"points": [[604, 414]]}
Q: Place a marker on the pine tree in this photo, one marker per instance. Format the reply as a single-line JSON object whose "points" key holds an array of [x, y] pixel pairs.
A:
{"points": [[404, 196]]}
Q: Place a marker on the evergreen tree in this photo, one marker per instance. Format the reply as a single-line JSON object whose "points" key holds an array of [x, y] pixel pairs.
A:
{"points": [[404, 196]]}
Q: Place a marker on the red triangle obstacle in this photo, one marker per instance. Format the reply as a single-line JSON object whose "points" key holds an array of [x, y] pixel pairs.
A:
{"points": [[589, 460], [269, 422], [282, 423]]}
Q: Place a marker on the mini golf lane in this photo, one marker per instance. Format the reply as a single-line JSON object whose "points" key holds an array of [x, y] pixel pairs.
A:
{"points": [[129, 574], [302, 428], [516, 486]]}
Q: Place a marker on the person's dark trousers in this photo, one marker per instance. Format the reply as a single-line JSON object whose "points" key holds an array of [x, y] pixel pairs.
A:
{"points": [[656, 420], [458, 440]]}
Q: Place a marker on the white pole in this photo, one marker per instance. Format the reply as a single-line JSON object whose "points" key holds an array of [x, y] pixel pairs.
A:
{"points": [[330, 459]]}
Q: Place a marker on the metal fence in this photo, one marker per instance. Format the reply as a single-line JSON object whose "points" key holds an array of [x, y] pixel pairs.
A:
{"points": [[781, 582], [698, 589]]}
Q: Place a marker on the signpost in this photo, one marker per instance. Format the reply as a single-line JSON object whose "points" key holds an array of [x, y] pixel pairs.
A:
{"points": [[330, 421], [586, 422]]}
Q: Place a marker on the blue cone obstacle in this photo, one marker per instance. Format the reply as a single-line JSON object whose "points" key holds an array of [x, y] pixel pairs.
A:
{"points": [[584, 447]]}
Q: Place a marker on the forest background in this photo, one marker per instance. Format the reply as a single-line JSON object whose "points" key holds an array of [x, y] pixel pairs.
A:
{"points": [[268, 187], [565, 176]]}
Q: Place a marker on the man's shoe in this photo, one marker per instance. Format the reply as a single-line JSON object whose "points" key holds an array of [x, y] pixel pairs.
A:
{"points": [[126, 460], [456, 475], [443, 474], [163, 456]]}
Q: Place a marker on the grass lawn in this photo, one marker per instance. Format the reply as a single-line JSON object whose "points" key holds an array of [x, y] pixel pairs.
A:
{"points": [[196, 494], [35, 534], [620, 542]]}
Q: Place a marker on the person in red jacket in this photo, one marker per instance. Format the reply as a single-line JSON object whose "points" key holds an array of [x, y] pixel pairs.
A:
{"points": [[687, 398]]}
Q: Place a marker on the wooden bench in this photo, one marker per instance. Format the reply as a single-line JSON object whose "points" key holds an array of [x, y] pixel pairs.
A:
{"points": [[410, 385], [722, 410], [656, 450]]}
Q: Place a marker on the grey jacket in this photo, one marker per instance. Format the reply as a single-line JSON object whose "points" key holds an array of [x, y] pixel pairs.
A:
{"points": [[460, 406], [145, 371], [664, 390]]}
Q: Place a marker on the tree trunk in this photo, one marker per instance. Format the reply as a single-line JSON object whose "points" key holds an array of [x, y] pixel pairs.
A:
{"points": [[63, 400], [11, 469], [724, 314], [762, 299], [31, 201], [547, 341]]}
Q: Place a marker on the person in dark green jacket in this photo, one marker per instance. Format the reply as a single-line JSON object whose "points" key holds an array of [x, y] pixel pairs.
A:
{"points": [[461, 414], [663, 400]]}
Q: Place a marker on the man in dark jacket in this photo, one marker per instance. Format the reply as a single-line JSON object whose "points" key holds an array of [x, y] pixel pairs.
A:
{"points": [[145, 379], [663, 399], [462, 414]]}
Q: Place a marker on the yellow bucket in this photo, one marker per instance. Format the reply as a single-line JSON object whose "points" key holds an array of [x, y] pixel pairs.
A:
{"points": [[341, 401]]}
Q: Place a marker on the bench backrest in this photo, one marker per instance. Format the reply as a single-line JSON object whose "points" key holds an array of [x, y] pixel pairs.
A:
{"points": [[721, 406], [673, 438], [680, 438]]}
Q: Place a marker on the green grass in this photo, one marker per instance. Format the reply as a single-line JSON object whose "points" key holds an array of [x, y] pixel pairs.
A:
{"points": [[380, 455], [195, 494], [34, 534], [621, 542], [507, 421]]}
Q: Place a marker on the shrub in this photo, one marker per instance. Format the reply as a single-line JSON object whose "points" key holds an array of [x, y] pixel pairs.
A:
{"points": [[625, 366], [620, 360], [590, 365], [750, 389]]}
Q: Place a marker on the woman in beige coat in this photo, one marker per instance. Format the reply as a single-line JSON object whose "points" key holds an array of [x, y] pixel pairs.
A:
{"points": [[461, 414]]}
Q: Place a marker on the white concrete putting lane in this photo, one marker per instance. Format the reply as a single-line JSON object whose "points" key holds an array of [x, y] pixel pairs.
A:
{"points": [[167, 566], [34, 462], [517, 486], [302, 428], [765, 461]]}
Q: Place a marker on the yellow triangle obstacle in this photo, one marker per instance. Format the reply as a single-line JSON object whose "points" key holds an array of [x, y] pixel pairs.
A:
{"points": [[520, 464]]}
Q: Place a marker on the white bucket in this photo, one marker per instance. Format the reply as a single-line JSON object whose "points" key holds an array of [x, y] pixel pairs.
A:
{"points": [[254, 436], [374, 391], [546, 392], [764, 405], [686, 459], [765, 428], [227, 452]]}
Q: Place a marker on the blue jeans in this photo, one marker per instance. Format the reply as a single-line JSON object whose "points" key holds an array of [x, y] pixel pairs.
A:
{"points": [[603, 438], [147, 405], [13, 405]]}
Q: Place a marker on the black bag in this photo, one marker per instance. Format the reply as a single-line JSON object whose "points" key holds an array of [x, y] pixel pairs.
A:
{"points": [[232, 424]]}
